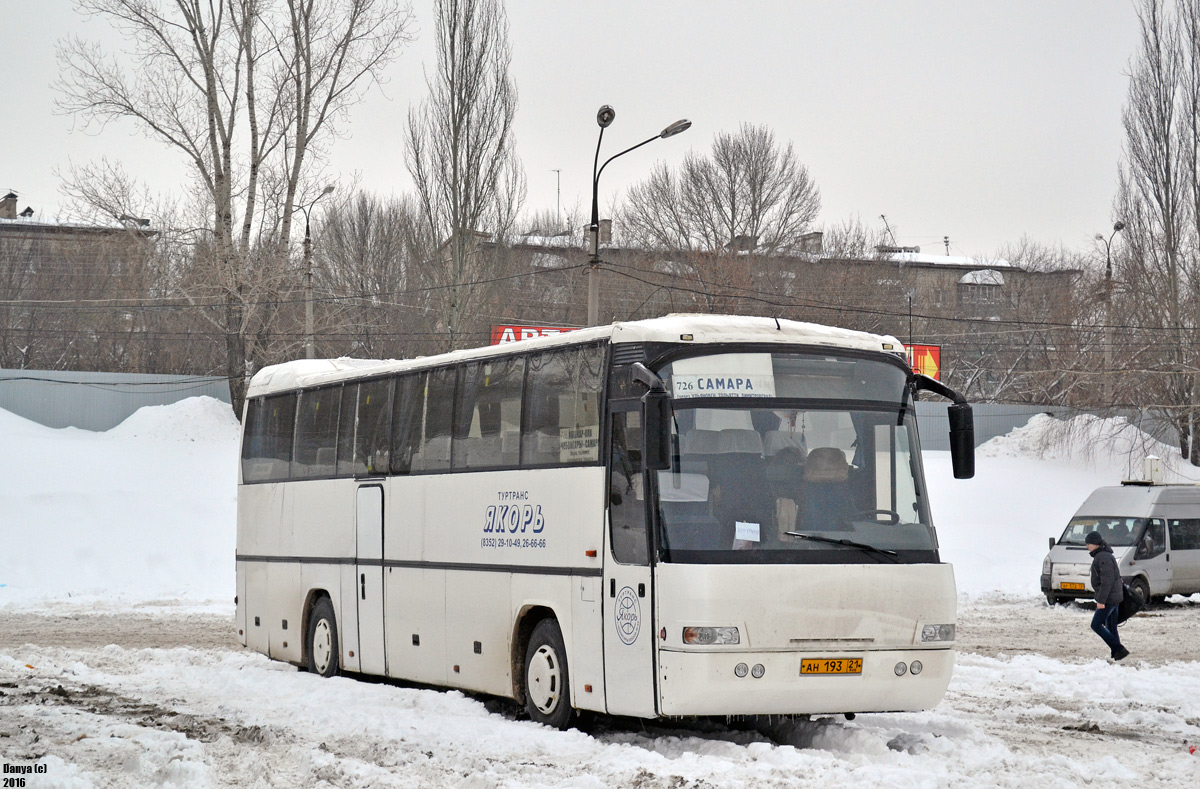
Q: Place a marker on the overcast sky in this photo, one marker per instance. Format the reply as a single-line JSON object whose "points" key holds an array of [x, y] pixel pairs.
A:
{"points": [[983, 121]]}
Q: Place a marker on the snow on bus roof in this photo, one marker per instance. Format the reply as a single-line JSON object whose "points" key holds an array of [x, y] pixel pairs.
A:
{"points": [[704, 329]]}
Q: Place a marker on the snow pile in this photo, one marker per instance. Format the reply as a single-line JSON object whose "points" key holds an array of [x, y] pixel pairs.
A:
{"points": [[1089, 439], [193, 419], [146, 510]]}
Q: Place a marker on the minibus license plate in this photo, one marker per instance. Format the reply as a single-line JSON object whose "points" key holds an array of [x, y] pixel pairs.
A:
{"points": [[831, 666], [1068, 585]]}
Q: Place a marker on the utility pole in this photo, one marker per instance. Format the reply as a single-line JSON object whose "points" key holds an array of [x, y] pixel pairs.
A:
{"points": [[558, 203], [910, 294], [946, 241], [604, 119], [309, 350], [1108, 338]]}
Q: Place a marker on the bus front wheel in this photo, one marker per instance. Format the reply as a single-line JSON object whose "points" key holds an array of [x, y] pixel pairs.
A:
{"points": [[547, 683], [323, 640]]}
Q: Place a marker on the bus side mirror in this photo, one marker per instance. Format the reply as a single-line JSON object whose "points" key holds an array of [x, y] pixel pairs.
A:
{"points": [[962, 440], [656, 434], [1053, 542]]}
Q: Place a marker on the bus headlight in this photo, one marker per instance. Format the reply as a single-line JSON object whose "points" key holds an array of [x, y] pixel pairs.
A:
{"points": [[707, 636], [1046, 566], [937, 633]]}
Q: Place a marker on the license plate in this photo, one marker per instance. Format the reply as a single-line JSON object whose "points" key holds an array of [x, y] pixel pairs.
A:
{"points": [[1067, 585], [831, 666]]}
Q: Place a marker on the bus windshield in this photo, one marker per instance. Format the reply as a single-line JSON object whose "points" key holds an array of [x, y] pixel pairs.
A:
{"points": [[819, 465]]}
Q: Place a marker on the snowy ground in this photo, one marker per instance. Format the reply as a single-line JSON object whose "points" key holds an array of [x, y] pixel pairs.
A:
{"points": [[118, 665]]}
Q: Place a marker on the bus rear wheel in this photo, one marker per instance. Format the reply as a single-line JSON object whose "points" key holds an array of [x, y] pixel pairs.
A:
{"points": [[323, 640], [547, 682]]}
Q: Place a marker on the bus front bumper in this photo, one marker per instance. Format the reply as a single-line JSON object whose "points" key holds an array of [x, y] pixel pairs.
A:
{"points": [[695, 683]]}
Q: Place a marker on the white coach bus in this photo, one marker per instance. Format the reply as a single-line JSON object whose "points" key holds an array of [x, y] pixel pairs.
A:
{"points": [[684, 516]]}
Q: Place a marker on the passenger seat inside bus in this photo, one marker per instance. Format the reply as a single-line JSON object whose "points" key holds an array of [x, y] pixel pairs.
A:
{"points": [[785, 478], [827, 497], [689, 523], [737, 472], [326, 461], [695, 448], [435, 454]]}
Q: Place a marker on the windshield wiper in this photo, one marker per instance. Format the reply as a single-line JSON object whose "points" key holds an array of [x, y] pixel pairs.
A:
{"points": [[862, 546]]}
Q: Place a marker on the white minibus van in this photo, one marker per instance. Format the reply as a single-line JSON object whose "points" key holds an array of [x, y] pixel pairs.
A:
{"points": [[1153, 529]]}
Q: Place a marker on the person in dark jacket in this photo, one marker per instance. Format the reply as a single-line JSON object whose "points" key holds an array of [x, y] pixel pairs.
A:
{"points": [[1106, 580]]}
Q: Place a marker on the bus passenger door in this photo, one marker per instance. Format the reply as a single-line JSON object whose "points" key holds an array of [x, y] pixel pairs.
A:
{"points": [[369, 571], [629, 664]]}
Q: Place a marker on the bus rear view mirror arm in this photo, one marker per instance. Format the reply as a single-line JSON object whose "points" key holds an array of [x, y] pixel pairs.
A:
{"points": [[644, 375], [656, 418], [962, 425]]}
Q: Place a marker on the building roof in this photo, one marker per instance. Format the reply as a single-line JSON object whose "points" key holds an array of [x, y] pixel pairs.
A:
{"points": [[946, 260], [30, 225]]}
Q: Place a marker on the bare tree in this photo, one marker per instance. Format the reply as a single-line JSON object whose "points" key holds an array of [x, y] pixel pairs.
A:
{"points": [[1159, 191], [461, 155], [367, 250], [332, 51], [852, 239], [243, 90], [747, 194]]}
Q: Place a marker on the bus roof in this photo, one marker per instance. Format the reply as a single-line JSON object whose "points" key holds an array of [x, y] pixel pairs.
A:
{"points": [[704, 329]]}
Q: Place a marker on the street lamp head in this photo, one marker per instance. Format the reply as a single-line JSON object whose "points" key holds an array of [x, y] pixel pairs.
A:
{"points": [[1118, 226], [1099, 236], [676, 128], [605, 116], [327, 190]]}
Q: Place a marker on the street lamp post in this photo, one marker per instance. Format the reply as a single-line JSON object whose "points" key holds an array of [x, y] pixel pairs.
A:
{"points": [[1118, 226], [604, 119], [910, 294], [309, 352]]}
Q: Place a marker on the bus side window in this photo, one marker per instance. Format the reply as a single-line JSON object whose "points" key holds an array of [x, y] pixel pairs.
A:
{"points": [[252, 440], [406, 421], [316, 433], [488, 415], [626, 501], [562, 398], [346, 422], [267, 454], [431, 445], [373, 436]]}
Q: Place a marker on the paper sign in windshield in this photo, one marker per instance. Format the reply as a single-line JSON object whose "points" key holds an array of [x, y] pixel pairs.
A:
{"points": [[751, 532], [724, 375]]}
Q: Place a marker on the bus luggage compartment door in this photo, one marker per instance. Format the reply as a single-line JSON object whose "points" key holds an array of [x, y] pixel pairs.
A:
{"points": [[369, 574]]}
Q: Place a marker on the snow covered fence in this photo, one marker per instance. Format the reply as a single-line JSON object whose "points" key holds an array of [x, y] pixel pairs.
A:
{"points": [[999, 419], [97, 401]]}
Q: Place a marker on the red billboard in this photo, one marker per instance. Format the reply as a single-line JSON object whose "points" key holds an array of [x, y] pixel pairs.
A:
{"points": [[506, 334], [926, 359]]}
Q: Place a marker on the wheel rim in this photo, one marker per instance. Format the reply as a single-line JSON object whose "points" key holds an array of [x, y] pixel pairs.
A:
{"points": [[322, 646], [545, 680]]}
